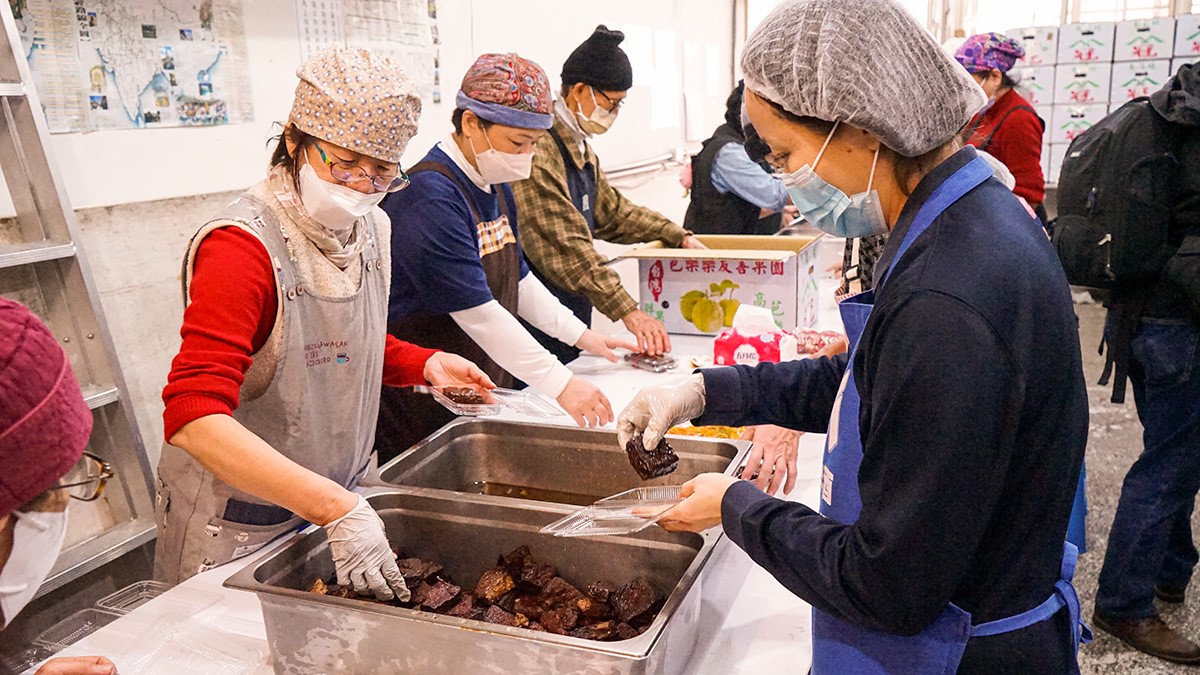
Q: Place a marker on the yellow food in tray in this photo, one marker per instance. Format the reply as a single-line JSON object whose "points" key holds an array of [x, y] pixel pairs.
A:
{"points": [[710, 431]]}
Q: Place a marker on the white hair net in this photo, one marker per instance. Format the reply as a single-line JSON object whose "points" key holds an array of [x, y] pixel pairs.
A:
{"points": [[864, 62]]}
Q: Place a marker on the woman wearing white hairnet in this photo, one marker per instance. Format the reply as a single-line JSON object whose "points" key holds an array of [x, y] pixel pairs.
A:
{"points": [[956, 426]]}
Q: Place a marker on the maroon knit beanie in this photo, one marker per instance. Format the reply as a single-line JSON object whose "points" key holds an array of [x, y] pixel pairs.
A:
{"points": [[44, 423]]}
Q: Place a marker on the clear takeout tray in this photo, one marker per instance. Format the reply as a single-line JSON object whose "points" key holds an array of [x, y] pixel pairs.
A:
{"points": [[527, 402], [625, 513], [467, 409], [654, 364], [132, 596], [74, 628]]}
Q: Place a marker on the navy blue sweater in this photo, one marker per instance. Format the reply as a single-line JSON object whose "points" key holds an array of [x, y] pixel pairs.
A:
{"points": [[974, 420]]}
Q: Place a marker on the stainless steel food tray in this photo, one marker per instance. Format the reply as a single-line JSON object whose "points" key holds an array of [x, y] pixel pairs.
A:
{"points": [[316, 633], [545, 463]]}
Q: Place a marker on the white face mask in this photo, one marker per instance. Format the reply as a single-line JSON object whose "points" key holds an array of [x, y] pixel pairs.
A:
{"points": [[37, 539], [601, 119], [497, 167], [335, 206]]}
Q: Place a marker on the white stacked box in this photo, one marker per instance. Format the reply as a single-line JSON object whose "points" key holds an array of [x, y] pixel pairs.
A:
{"points": [[1041, 45], [1187, 35], [1086, 42], [1058, 152], [1071, 120], [1144, 40], [1082, 83], [1134, 79], [1035, 83]]}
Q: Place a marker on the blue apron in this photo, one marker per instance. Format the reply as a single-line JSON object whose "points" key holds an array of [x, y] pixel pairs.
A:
{"points": [[839, 646]]}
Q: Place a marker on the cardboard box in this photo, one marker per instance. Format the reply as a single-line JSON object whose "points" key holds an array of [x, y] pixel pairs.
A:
{"points": [[779, 273], [1131, 79], [1058, 152], [1187, 35], [1046, 112], [1040, 43], [1072, 120], [1086, 42], [1178, 63], [1036, 83], [1082, 83], [1144, 40], [1046, 162]]}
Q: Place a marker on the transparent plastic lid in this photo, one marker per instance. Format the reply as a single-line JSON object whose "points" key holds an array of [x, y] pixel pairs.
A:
{"points": [[625, 513], [654, 364], [74, 628], [132, 596], [468, 401], [527, 402]]}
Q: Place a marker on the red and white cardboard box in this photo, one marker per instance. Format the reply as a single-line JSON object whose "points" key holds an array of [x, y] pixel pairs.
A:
{"points": [[1132, 79], [1036, 84], [1072, 120], [1046, 162], [1040, 43], [1180, 62], [1144, 40], [1187, 35], [697, 292], [1086, 42], [1082, 83]]}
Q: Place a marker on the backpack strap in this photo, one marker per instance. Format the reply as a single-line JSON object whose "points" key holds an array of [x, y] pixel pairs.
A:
{"points": [[1128, 312], [988, 141]]}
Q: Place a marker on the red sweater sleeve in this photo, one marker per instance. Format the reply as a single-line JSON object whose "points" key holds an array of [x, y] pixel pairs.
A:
{"points": [[404, 362], [230, 317], [231, 314]]}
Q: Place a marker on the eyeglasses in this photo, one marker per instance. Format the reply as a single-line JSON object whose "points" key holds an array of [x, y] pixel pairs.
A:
{"points": [[614, 105], [86, 480], [351, 173]]}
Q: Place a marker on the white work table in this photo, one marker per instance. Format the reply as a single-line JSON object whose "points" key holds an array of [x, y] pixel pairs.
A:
{"points": [[749, 622]]}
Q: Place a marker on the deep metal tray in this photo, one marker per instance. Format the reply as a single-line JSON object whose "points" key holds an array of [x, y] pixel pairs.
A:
{"points": [[317, 633], [545, 463]]}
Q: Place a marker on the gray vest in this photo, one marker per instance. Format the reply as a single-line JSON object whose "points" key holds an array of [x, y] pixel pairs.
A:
{"points": [[318, 410]]}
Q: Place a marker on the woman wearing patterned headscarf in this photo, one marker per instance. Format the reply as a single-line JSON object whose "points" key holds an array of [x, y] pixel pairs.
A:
{"points": [[956, 426], [272, 399], [1008, 128], [460, 280]]}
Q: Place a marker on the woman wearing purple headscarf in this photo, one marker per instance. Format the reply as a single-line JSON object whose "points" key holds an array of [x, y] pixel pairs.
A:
{"points": [[1008, 128]]}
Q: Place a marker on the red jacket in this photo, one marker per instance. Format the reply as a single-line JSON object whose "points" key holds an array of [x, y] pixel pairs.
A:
{"points": [[1013, 135], [229, 319]]}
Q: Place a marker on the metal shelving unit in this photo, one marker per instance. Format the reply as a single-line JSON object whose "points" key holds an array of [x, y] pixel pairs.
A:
{"points": [[42, 267]]}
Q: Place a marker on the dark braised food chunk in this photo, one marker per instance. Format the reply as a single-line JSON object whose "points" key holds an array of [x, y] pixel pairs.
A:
{"points": [[465, 608], [560, 621], [496, 615], [625, 631], [463, 395], [416, 570], [634, 599], [660, 461], [597, 631], [600, 591], [594, 610], [434, 595], [535, 575], [494, 584], [558, 593]]}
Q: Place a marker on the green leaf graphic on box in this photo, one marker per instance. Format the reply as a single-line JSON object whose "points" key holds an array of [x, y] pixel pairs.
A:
{"points": [[1076, 124], [1084, 42], [1143, 40], [1193, 36], [1140, 82], [1082, 84]]}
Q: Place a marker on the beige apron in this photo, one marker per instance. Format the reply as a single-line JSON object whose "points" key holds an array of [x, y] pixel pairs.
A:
{"points": [[319, 409]]}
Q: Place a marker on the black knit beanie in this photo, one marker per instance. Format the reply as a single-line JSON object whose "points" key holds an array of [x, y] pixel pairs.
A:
{"points": [[599, 62]]}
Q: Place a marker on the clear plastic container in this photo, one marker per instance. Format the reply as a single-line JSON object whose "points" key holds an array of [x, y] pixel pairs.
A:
{"points": [[74, 628], [190, 647], [527, 403], [654, 364], [24, 659], [444, 395], [625, 513], [132, 596]]}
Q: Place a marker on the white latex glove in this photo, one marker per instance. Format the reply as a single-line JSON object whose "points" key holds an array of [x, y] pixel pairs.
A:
{"points": [[655, 409], [361, 554]]}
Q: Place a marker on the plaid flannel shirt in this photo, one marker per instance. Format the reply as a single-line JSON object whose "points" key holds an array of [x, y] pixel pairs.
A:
{"points": [[555, 236]]}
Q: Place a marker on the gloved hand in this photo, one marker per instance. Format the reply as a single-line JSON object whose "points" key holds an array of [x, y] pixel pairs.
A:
{"points": [[656, 409], [361, 554]]}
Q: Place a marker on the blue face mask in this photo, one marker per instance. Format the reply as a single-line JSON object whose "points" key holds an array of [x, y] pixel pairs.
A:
{"points": [[828, 208]]}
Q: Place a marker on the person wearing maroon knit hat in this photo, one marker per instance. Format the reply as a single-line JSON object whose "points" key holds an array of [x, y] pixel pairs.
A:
{"points": [[44, 426]]}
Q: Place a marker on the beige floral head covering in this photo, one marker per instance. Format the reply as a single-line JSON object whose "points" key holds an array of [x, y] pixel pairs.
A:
{"points": [[357, 100]]}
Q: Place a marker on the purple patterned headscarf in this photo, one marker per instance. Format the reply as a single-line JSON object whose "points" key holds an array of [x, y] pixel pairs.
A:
{"points": [[983, 52], [509, 90]]}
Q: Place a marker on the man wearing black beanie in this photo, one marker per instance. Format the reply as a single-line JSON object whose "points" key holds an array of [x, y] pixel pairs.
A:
{"points": [[567, 200]]}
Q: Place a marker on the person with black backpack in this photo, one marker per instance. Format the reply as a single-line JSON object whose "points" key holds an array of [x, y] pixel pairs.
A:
{"points": [[1129, 223]]}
